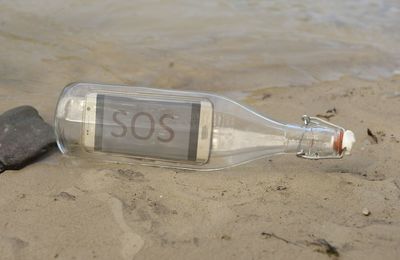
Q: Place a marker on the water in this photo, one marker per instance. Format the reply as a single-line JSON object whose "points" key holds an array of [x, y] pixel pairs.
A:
{"points": [[209, 45]]}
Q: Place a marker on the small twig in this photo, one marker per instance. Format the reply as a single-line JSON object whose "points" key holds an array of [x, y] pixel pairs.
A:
{"points": [[327, 117], [328, 114], [269, 235]]}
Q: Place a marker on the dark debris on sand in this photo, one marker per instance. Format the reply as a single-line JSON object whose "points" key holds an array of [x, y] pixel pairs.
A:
{"points": [[323, 246]]}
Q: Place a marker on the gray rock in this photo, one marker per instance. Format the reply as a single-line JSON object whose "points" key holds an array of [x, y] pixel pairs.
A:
{"points": [[23, 137]]}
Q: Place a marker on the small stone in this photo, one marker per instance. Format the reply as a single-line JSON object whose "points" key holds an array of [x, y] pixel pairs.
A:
{"points": [[281, 187], [24, 136], [366, 212], [225, 237]]}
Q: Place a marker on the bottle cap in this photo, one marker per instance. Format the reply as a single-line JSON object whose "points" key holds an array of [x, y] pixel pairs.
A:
{"points": [[348, 141]]}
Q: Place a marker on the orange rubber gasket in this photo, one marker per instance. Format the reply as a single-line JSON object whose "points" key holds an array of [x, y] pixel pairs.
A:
{"points": [[337, 144]]}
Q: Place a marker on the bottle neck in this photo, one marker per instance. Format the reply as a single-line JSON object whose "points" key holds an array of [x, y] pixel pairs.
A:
{"points": [[313, 142]]}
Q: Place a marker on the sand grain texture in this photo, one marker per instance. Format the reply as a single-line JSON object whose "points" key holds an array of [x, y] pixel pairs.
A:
{"points": [[279, 207]]}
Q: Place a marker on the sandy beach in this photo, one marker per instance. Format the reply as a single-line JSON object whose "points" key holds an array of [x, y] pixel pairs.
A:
{"points": [[283, 60], [271, 208]]}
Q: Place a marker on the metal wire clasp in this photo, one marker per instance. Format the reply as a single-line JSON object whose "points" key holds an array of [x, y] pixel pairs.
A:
{"points": [[310, 122]]}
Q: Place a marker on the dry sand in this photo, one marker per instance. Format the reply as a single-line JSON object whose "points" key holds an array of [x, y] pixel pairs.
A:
{"points": [[281, 207]]}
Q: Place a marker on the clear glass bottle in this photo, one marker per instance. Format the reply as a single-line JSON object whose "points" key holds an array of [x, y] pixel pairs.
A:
{"points": [[182, 129]]}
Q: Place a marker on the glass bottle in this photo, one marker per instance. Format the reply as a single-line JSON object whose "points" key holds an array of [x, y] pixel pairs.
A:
{"points": [[182, 129]]}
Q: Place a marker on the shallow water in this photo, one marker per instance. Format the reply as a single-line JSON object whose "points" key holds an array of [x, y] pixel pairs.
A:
{"points": [[210, 45]]}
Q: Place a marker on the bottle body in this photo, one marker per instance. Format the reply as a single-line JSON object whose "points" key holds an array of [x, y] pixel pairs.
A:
{"points": [[178, 129]]}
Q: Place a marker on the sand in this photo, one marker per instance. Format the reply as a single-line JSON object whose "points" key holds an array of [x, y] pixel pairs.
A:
{"points": [[283, 58], [280, 207]]}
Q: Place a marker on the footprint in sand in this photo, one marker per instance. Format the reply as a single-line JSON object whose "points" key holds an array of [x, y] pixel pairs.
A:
{"points": [[96, 182]]}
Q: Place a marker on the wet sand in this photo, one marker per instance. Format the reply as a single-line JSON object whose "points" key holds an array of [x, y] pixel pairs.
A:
{"points": [[284, 59], [279, 207]]}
